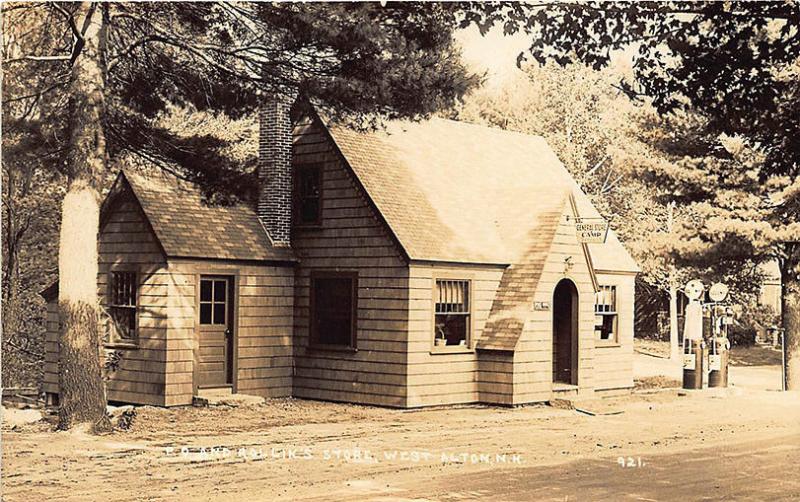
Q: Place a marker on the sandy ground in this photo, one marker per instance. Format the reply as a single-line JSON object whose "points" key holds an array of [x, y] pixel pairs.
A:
{"points": [[764, 470], [293, 449], [756, 355]]}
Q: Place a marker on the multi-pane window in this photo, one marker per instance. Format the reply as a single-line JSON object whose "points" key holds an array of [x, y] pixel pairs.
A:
{"points": [[122, 294], [213, 301], [333, 309], [452, 312], [605, 310], [308, 210]]}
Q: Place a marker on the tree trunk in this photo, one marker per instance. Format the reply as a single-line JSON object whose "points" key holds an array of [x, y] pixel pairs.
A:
{"points": [[790, 312], [83, 398], [11, 250]]}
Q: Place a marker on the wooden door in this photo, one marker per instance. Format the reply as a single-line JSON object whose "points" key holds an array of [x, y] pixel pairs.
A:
{"points": [[565, 333], [215, 333]]}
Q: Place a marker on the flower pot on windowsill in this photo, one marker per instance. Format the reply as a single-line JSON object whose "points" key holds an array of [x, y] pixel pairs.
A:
{"points": [[440, 342]]}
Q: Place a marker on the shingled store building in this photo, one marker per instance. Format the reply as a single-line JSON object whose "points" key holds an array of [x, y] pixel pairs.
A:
{"points": [[428, 263]]}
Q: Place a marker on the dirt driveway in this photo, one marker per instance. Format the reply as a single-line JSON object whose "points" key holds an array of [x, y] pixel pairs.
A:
{"points": [[293, 449]]}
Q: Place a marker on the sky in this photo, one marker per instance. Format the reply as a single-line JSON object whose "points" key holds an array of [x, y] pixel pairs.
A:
{"points": [[495, 53]]}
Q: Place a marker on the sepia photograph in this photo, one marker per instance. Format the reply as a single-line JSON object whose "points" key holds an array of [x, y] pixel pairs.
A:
{"points": [[400, 251]]}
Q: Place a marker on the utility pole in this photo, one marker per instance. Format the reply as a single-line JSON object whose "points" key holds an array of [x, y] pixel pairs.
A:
{"points": [[674, 348]]}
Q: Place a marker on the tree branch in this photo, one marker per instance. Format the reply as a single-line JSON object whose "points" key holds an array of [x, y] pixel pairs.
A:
{"points": [[114, 60], [597, 166], [36, 94], [61, 57], [70, 19]]}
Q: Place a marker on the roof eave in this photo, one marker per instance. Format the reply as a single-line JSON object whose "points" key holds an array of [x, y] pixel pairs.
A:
{"points": [[124, 179], [289, 260], [420, 260]]}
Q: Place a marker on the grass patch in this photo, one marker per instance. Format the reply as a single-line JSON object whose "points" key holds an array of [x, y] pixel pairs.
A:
{"points": [[655, 382], [658, 348], [754, 356]]}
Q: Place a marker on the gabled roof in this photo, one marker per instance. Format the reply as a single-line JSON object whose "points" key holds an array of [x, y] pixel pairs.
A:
{"points": [[514, 297], [458, 192], [187, 227]]}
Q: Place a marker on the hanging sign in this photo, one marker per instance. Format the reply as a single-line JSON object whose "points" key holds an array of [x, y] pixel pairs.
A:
{"points": [[591, 230]]}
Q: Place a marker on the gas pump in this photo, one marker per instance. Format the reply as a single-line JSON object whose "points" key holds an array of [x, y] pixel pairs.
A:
{"points": [[693, 344], [722, 316]]}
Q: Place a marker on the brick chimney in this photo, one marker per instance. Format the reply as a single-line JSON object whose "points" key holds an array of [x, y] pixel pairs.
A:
{"points": [[275, 168]]}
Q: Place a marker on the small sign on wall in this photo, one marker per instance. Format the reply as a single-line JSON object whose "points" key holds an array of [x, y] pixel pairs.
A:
{"points": [[591, 230], [541, 305]]}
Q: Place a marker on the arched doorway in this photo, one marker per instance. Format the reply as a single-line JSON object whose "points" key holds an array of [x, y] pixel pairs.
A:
{"points": [[565, 333]]}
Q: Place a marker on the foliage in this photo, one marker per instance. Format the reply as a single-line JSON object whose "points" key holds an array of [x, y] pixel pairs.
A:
{"points": [[728, 72], [30, 223], [181, 82], [752, 318], [610, 146], [358, 62]]}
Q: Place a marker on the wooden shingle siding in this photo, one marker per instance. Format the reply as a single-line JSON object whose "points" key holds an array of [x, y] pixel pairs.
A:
{"points": [[263, 329], [496, 377], [445, 378], [51, 348], [351, 238], [127, 244], [160, 370], [533, 357], [614, 363]]}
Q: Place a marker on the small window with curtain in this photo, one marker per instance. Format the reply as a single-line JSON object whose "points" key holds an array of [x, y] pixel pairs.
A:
{"points": [[605, 314], [452, 313], [308, 194], [121, 327]]}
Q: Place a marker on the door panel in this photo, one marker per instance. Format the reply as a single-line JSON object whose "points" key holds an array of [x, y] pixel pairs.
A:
{"points": [[565, 332], [215, 331]]}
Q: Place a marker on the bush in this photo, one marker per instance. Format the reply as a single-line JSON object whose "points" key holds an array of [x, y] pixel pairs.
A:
{"points": [[23, 341], [741, 335], [753, 318]]}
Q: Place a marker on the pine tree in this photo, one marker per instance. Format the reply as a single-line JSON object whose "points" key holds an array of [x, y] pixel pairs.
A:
{"points": [[103, 74]]}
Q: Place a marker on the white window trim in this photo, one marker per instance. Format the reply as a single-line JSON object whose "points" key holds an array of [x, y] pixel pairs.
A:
{"points": [[469, 345]]}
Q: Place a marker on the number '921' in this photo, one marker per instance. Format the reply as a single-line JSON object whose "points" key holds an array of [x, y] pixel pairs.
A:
{"points": [[630, 462]]}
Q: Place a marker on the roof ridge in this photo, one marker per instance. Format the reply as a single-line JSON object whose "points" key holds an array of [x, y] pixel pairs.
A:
{"points": [[472, 124]]}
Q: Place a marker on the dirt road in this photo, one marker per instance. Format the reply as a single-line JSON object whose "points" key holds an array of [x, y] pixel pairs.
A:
{"points": [[753, 471], [290, 449]]}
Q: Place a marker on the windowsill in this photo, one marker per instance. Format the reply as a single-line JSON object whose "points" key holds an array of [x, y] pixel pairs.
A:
{"points": [[331, 348], [126, 346], [564, 386], [451, 349], [607, 345]]}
